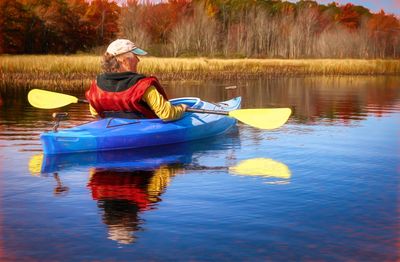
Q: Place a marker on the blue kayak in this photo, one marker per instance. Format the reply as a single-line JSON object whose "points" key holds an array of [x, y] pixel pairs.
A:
{"points": [[121, 133]]}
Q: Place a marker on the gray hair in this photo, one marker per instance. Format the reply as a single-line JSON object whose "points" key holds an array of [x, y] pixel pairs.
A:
{"points": [[110, 63]]}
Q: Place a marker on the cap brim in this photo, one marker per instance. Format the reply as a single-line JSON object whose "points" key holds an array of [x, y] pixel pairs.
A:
{"points": [[138, 51]]}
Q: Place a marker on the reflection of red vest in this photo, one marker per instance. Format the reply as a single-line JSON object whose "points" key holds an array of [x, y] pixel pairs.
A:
{"points": [[127, 100], [109, 185]]}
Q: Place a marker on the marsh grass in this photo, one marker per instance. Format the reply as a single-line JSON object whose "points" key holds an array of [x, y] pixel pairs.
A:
{"points": [[56, 72]]}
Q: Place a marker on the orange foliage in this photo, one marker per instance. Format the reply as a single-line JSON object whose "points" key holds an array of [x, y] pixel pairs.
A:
{"points": [[160, 19], [383, 23], [384, 30], [103, 16]]}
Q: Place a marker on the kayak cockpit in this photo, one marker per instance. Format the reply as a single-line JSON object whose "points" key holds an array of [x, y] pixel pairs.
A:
{"points": [[193, 102]]}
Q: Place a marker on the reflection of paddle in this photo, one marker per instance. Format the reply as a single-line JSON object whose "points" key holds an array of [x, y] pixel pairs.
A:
{"points": [[264, 118], [35, 168], [35, 164], [59, 189], [265, 167]]}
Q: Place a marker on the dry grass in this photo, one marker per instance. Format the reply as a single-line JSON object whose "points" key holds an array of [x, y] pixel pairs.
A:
{"points": [[50, 64], [74, 72], [271, 66]]}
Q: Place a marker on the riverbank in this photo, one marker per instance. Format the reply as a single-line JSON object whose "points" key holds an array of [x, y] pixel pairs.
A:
{"points": [[74, 72]]}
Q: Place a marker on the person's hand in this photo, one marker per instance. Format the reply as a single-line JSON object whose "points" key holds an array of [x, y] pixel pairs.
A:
{"points": [[184, 106]]}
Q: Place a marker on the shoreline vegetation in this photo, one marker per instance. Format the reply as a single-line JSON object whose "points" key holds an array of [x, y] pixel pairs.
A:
{"points": [[74, 72], [201, 28]]}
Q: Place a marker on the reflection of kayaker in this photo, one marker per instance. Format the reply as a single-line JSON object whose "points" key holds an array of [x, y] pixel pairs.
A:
{"points": [[122, 195], [142, 186], [148, 158]]}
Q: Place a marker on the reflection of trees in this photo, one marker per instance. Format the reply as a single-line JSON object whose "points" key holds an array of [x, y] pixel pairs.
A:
{"points": [[16, 109], [343, 98], [122, 195], [335, 98]]}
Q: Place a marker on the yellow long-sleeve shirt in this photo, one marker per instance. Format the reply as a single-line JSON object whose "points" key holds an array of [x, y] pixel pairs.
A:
{"points": [[161, 107]]}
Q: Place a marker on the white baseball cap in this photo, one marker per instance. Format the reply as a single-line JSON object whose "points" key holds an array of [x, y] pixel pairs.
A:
{"points": [[122, 46]]}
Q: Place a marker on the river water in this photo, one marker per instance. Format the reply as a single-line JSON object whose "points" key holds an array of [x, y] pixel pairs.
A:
{"points": [[323, 187]]}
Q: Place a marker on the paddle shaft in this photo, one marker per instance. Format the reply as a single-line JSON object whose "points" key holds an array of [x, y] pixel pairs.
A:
{"points": [[188, 109], [205, 111], [263, 118]]}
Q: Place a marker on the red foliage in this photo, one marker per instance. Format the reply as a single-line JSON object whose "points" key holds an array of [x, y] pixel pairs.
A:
{"points": [[349, 17]]}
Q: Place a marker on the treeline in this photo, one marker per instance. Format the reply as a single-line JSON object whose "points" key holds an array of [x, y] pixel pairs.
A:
{"points": [[56, 26], [213, 28]]}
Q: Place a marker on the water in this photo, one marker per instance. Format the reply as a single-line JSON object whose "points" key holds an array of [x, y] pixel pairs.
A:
{"points": [[326, 187]]}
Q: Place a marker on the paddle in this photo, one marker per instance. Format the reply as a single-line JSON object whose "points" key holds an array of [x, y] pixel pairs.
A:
{"points": [[263, 118], [48, 100]]}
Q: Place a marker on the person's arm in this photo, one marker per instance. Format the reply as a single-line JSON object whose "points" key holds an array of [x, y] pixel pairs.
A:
{"points": [[161, 107]]}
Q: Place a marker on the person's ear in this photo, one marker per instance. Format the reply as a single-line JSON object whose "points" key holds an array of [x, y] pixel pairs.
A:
{"points": [[120, 59]]}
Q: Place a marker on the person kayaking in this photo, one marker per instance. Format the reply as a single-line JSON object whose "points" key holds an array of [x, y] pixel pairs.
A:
{"points": [[122, 92]]}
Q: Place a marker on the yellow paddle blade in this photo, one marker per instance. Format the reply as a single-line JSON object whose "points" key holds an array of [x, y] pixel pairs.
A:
{"points": [[265, 167], [49, 100], [264, 118]]}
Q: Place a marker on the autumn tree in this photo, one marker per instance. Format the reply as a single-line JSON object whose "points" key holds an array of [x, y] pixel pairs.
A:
{"points": [[131, 24], [351, 16], [79, 27], [384, 31], [56, 26], [197, 34], [103, 19], [14, 21], [160, 19]]}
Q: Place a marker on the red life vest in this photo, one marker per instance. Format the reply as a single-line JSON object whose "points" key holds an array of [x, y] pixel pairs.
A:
{"points": [[127, 101]]}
